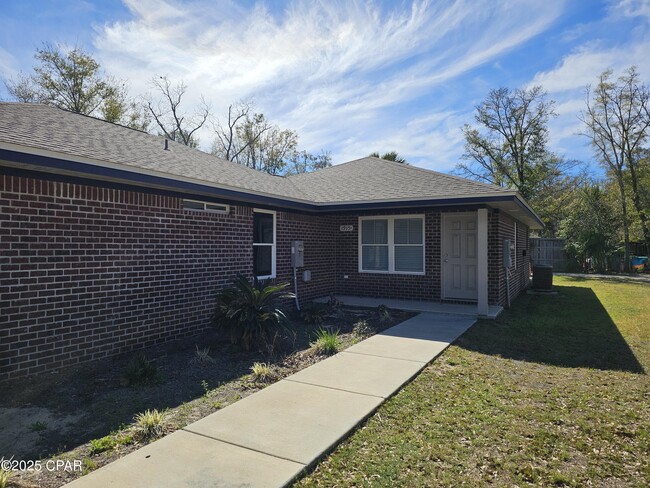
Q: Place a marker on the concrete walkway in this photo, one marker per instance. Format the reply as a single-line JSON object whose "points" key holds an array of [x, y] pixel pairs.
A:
{"points": [[270, 437]]}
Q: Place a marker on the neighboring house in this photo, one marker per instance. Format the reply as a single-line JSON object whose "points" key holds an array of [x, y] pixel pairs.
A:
{"points": [[114, 239]]}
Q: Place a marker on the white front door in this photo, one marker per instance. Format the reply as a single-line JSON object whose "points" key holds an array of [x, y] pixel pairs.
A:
{"points": [[459, 256]]}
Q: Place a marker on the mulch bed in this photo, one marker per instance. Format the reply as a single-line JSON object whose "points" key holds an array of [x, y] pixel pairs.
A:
{"points": [[55, 416]]}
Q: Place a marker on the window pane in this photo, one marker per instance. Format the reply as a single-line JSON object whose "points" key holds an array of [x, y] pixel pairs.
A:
{"points": [[216, 207], [374, 258], [374, 231], [408, 231], [409, 258], [415, 231], [190, 205], [263, 228], [262, 260]]}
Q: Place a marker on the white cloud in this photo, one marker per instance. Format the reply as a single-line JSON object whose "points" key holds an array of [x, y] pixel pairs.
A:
{"points": [[337, 72], [8, 67], [568, 80], [631, 8]]}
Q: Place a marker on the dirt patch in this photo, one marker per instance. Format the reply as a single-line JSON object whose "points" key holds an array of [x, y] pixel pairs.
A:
{"points": [[86, 413]]}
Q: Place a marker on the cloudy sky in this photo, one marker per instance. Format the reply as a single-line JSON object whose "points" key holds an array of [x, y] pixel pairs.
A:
{"points": [[350, 77]]}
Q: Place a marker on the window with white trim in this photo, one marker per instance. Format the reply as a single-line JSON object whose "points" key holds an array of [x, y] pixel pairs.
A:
{"points": [[391, 244], [264, 244], [205, 206]]}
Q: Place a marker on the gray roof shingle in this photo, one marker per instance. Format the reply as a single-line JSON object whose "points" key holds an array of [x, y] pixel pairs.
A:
{"points": [[67, 133], [363, 180], [371, 179]]}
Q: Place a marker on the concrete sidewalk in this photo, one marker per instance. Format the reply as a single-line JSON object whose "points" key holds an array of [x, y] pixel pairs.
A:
{"points": [[270, 437]]}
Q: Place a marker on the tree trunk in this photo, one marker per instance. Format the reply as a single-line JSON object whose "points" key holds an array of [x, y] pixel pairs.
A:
{"points": [[626, 224], [636, 199]]}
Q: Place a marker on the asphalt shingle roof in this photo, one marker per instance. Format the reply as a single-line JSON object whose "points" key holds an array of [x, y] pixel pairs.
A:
{"points": [[371, 178], [367, 179], [53, 129]]}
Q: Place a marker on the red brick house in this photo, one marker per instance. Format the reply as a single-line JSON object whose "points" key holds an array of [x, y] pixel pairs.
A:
{"points": [[114, 239]]}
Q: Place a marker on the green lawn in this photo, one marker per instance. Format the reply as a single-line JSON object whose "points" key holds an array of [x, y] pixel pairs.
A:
{"points": [[553, 393]]}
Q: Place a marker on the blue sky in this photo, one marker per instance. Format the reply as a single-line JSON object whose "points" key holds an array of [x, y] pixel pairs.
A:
{"points": [[350, 77]]}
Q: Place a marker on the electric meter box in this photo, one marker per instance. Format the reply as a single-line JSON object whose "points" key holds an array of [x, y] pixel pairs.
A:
{"points": [[297, 254]]}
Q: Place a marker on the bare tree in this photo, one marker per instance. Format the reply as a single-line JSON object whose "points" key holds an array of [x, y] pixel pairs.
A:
{"points": [[249, 139], [168, 115], [617, 118], [228, 144]]}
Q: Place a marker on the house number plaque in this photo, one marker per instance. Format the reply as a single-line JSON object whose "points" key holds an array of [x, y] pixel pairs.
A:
{"points": [[346, 228]]}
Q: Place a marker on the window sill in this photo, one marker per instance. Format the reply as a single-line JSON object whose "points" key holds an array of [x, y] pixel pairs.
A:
{"points": [[407, 273], [267, 277]]}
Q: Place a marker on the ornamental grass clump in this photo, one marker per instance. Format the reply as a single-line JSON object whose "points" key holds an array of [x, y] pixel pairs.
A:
{"points": [[150, 423], [326, 342]]}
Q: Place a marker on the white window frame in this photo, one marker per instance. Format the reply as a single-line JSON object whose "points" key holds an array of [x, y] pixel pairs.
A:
{"points": [[391, 244], [224, 210], [273, 245]]}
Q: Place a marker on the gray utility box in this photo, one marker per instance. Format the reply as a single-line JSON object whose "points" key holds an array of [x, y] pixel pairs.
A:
{"points": [[297, 254]]}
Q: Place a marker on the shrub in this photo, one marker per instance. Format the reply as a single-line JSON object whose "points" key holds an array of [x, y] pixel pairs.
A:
{"points": [[88, 466], [38, 426], [150, 423], [248, 312], [315, 314], [103, 444], [262, 372], [326, 342], [383, 314], [140, 371], [362, 329], [202, 356]]}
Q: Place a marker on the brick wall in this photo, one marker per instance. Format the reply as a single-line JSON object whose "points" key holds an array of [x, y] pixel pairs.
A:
{"points": [[503, 227], [319, 238], [88, 272], [383, 285], [428, 286]]}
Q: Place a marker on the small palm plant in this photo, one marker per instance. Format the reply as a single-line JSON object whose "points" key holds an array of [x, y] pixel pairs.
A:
{"points": [[248, 312]]}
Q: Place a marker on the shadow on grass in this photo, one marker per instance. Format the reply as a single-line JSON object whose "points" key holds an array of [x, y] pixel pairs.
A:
{"points": [[571, 329]]}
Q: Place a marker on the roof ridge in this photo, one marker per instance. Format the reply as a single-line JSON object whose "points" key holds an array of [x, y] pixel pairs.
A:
{"points": [[320, 171], [445, 175], [409, 166]]}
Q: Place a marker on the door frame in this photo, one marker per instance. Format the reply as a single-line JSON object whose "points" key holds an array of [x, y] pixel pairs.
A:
{"points": [[443, 216]]}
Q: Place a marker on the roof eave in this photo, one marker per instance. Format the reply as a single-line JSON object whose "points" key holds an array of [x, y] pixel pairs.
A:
{"points": [[42, 161]]}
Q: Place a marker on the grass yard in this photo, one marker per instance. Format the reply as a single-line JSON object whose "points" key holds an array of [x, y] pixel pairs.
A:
{"points": [[553, 393]]}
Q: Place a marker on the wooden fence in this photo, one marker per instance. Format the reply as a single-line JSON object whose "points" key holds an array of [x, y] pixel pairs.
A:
{"points": [[548, 251]]}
